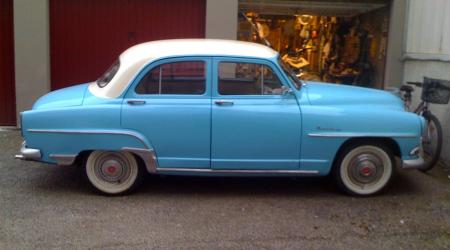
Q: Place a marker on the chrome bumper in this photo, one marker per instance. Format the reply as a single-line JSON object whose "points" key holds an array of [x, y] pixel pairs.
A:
{"points": [[413, 164], [28, 154]]}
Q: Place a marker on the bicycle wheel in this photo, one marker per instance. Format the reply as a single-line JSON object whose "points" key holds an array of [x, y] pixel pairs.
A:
{"points": [[431, 142]]}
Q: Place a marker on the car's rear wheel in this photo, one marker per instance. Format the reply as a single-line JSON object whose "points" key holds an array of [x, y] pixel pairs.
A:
{"points": [[364, 169], [113, 173]]}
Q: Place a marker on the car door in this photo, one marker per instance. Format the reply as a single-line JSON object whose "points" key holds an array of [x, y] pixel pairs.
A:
{"points": [[255, 125], [170, 104]]}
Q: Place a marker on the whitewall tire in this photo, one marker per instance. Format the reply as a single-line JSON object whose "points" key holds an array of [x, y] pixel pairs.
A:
{"points": [[364, 170], [112, 172]]}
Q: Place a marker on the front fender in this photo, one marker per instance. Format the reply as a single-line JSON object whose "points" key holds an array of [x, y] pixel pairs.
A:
{"points": [[327, 128]]}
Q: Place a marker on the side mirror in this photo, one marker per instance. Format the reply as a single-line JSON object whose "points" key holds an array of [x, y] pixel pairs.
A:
{"points": [[286, 90]]}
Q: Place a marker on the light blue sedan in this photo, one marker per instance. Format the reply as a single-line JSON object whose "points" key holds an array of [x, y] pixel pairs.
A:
{"points": [[216, 107]]}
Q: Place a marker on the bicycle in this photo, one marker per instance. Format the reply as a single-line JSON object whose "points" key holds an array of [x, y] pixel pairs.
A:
{"points": [[433, 91]]}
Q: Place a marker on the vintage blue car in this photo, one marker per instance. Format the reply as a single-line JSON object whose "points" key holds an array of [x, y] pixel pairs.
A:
{"points": [[216, 107]]}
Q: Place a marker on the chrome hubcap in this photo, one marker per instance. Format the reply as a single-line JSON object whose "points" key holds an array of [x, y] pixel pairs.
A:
{"points": [[365, 169], [112, 168]]}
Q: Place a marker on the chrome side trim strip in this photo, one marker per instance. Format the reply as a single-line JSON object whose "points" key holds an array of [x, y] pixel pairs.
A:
{"points": [[147, 155], [63, 160], [347, 135], [237, 171], [81, 131]]}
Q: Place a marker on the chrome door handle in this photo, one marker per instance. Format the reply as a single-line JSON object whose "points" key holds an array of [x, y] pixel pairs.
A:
{"points": [[136, 102], [223, 103]]}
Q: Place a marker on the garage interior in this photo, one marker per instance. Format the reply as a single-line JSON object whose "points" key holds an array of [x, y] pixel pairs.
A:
{"points": [[342, 42]]}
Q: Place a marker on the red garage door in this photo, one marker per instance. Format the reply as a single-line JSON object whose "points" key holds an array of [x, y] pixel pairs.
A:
{"points": [[86, 36], [7, 90]]}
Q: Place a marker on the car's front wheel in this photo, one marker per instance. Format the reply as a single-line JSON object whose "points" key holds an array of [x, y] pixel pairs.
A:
{"points": [[364, 169], [113, 172]]}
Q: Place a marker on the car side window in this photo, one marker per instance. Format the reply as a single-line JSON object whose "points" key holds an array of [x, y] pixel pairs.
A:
{"points": [[175, 78], [248, 79]]}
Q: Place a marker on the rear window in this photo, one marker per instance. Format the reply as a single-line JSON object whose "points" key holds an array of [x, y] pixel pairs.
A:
{"points": [[108, 75]]}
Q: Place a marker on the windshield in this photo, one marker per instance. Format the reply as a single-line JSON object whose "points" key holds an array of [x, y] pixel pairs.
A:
{"points": [[109, 74], [288, 71]]}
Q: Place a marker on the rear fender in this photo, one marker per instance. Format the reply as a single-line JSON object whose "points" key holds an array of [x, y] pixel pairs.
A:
{"points": [[62, 146]]}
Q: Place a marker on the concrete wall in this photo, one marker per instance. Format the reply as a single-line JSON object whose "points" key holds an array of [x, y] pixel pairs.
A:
{"points": [[394, 65], [221, 19], [415, 70], [32, 58], [427, 53]]}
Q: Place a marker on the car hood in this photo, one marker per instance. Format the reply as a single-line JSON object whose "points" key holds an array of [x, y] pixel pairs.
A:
{"points": [[335, 94], [66, 97]]}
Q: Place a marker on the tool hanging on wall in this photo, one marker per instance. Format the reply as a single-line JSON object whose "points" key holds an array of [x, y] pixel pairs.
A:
{"points": [[256, 29]]}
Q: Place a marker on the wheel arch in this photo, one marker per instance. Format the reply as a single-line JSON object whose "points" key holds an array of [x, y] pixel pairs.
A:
{"points": [[145, 157], [387, 141]]}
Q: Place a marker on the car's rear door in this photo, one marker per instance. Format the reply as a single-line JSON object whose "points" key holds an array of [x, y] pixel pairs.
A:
{"points": [[170, 104], [254, 125]]}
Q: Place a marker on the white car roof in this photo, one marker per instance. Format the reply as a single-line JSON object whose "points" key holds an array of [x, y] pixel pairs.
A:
{"points": [[135, 58], [203, 47]]}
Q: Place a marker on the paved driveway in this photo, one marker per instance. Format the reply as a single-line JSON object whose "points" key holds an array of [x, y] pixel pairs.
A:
{"points": [[44, 206]]}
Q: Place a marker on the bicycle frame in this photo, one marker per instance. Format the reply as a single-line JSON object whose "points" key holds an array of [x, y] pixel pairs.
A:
{"points": [[433, 125], [421, 109]]}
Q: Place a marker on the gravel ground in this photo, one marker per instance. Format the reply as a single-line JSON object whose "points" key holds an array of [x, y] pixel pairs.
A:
{"points": [[43, 206]]}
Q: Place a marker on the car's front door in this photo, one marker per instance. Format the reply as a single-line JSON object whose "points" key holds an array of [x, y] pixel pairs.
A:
{"points": [[255, 124], [170, 104]]}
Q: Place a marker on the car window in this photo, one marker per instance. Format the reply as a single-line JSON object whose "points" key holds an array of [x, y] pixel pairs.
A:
{"points": [[185, 78], [108, 75], [248, 79]]}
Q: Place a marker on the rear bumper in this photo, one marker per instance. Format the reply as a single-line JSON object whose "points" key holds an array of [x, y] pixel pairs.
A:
{"points": [[28, 154]]}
